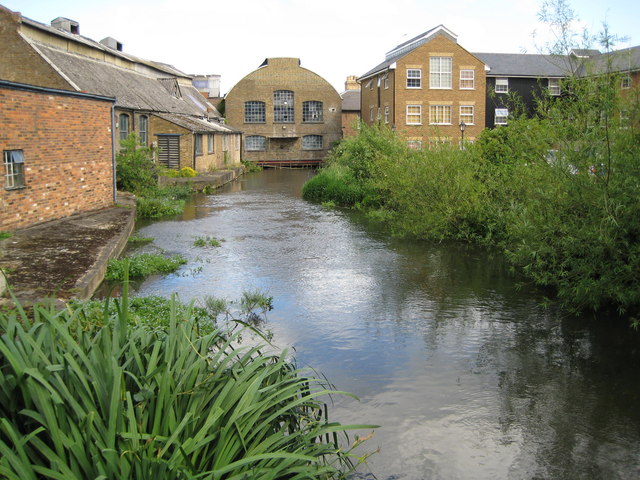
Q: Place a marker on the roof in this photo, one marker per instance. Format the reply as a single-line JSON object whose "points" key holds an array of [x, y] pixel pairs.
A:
{"points": [[54, 91], [627, 59], [350, 100], [525, 65], [196, 125]]}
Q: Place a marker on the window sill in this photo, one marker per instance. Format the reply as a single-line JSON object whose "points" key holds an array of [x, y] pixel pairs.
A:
{"points": [[22, 187]]}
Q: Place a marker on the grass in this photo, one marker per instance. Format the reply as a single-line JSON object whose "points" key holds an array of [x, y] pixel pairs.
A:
{"points": [[206, 241], [137, 241], [142, 265], [4, 235]]}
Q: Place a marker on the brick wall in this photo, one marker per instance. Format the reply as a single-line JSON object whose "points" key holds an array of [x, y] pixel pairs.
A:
{"points": [[67, 145]]}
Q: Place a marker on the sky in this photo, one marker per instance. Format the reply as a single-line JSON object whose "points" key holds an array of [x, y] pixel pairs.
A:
{"points": [[333, 38]]}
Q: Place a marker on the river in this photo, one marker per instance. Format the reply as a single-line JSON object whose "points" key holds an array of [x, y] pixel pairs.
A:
{"points": [[468, 376]]}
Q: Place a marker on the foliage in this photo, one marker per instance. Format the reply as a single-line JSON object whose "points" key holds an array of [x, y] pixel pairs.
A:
{"points": [[4, 235], [136, 240], [157, 207], [116, 399], [206, 241], [135, 169], [142, 265], [251, 167]]}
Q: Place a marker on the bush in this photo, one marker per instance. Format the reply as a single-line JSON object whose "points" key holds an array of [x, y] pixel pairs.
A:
{"points": [[135, 169], [115, 399], [157, 207], [142, 265]]}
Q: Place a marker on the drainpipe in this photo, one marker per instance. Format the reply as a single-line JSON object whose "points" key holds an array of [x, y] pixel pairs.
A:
{"points": [[113, 150]]}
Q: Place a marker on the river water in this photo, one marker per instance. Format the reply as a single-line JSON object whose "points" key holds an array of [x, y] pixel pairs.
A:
{"points": [[468, 376]]}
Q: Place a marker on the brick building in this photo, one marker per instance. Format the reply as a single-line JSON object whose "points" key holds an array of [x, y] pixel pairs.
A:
{"points": [[57, 149], [154, 100], [288, 114], [350, 106], [425, 89]]}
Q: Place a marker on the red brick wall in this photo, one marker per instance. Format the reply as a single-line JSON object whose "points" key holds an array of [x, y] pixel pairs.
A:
{"points": [[67, 148]]}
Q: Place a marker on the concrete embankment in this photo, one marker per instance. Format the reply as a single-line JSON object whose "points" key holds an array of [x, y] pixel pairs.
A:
{"points": [[203, 181]]}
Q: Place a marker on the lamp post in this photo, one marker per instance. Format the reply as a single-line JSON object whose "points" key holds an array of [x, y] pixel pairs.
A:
{"points": [[462, 127]]}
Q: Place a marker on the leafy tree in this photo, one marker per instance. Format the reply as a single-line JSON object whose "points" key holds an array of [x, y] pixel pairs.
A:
{"points": [[135, 168]]}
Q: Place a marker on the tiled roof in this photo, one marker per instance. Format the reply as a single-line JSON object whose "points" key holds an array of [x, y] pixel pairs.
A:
{"points": [[525, 65], [196, 125], [627, 59], [350, 100]]}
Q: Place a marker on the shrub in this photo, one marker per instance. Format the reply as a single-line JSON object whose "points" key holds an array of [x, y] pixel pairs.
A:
{"points": [[156, 207], [142, 265], [135, 169], [188, 172]]}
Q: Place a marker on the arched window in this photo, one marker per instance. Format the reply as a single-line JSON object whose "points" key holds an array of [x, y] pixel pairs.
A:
{"points": [[254, 112], [143, 130], [283, 111], [123, 126], [312, 112]]}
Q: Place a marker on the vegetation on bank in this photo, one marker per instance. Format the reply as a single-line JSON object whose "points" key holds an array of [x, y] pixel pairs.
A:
{"points": [[141, 266], [559, 193], [97, 392]]}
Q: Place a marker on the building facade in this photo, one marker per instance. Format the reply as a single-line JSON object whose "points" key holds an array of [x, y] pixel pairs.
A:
{"points": [[350, 107], [57, 150], [288, 114], [429, 89]]}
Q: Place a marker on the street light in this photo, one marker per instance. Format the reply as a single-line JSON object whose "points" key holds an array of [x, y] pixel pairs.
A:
{"points": [[462, 127]]}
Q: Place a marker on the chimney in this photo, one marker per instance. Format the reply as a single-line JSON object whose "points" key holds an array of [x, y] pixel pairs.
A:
{"points": [[112, 43], [351, 83], [66, 25]]}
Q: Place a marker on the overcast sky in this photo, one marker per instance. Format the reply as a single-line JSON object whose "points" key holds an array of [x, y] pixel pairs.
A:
{"points": [[333, 38]]}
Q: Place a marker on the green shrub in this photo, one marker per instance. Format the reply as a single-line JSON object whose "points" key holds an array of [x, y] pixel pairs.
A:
{"points": [[135, 169], [115, 399], [157, 207], [206, 241], [142, 265], [136, 240]]}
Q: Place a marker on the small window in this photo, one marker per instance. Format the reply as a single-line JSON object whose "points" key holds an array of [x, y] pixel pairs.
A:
{"points": [[625, 82], [13, 169], [440, 72], [554, 86], [143, 123], [371, 115], [283, 111], [414, 114], [386, 81], [440, 114], [123, 126], [379, 113], [386, 114], [312, 142], [414, 78], [467, 114], [467, 80], [414, 144], [236, 140], [210, 143], [502, 85], [502, 114], [255, 143], [198, 144], [254, 112], [368, 85], [312, 112]]}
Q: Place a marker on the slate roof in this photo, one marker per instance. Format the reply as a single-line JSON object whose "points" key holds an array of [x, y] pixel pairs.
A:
{"points": [[525, 65], [350, 100], [196, 125], [627, 59]]}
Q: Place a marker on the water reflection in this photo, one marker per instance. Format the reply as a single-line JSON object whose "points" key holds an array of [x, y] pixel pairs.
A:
{"points": [[469, 376]]}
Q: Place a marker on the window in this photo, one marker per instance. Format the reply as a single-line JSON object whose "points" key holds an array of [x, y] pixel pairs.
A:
{"points": [[371, 116], [123, 126], [554, 86], [368, 85], [225, 143], [255, 143], [144, 129], [440, 72], [625, 82], [198, 144], [254, 112], [502, 85], [414, 114], [386, 81], [379, 113], [439, 114], [283, 106], [312, 112], [169, 151], [466, 114], [414, 78], [437, 143], [414, 144], [13, 169], [210, 144], [386, 114], [312, 142], [236, 141], [467, 79], [501, 116]]}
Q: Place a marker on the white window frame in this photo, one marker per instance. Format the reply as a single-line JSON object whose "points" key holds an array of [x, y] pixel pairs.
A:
{"points": [[386, 114], [13, 169], [467, 118], [417, 115], [414, 78], [502, 85], [371, 114], [386, 81], [501, 113], [210, 143], [414, 144], [437, 114], [467, 75], [625, 82], [441, 73], [554, 87]]}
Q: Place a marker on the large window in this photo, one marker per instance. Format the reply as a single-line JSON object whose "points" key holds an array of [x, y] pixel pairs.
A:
{"points": [[254, 112], [502, 114], [440, 72], [414, 114], [255, 143], [467, 80], [414, 78], [123, 126], [143, 129], [554, 86], [312, 112], [467, 114], [283, 106], [502, 85], [440, 114], [198, 144], [312, 142], [13, 169]]}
